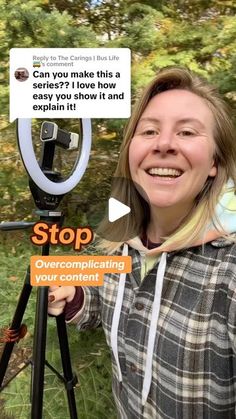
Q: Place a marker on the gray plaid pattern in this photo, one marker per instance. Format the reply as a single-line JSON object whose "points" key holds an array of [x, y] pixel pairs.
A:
{"points": [[194, 365]]}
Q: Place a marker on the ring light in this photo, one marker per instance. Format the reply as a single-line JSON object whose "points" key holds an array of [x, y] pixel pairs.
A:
{"points": [[28, 156]]}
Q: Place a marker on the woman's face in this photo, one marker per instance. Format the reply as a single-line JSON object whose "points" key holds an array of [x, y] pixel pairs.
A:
{"points": [[171, 153]]}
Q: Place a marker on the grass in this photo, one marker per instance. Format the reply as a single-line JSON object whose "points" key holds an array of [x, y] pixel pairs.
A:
{"points": [[89, 354]]}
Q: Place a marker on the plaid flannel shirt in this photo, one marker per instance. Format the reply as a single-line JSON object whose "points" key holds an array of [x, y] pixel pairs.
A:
{"points": [[194, 364]]}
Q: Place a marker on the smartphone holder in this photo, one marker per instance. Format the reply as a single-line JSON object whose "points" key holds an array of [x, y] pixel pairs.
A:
{"points": [[47, 188]]}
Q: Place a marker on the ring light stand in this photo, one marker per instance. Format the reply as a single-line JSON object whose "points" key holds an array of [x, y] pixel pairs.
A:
{"points": [[47, 188]]}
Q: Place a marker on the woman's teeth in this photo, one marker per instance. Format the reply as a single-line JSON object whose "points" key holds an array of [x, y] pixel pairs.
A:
{"points": [[165, 172]]}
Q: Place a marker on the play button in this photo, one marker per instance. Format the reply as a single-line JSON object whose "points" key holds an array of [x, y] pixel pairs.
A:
{"points": [[116, 210], [124, 211]]}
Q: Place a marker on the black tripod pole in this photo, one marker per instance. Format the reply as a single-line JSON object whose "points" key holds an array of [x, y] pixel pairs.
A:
{"points": [[69, 379], [39, 350], [14, 330], [14, 333]]}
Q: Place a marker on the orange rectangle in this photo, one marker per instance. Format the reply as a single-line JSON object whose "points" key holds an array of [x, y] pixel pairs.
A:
{"points": [[75, 270]]}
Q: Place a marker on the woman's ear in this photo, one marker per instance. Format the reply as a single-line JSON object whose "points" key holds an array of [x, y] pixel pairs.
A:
{"points": [[213, 170]]}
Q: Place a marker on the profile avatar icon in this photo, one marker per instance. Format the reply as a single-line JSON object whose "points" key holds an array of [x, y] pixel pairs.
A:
{"points": [[21, 74]]}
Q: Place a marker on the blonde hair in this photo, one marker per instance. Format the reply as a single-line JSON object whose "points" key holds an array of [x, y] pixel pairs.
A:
{"points": [[193, 227]]}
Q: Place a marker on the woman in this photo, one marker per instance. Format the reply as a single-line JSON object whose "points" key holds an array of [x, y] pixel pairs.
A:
{"points": [[171, 323]]}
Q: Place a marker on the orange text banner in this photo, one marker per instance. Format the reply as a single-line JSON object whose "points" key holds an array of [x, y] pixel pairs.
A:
{"points": [[75, 270]]}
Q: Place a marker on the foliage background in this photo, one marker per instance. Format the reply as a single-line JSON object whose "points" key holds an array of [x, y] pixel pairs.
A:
{"points": [[200, 34]]}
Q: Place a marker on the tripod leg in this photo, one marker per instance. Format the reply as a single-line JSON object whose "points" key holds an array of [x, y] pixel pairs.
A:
{"points": [[39, 353], [70, 379], [15, 325]]}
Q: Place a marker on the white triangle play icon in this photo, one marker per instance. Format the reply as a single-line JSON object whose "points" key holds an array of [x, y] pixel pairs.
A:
{"points": [[116, 209]]}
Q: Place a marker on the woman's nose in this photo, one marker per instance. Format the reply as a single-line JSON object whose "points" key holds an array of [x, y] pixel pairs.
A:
{"points": [[165, 142]]}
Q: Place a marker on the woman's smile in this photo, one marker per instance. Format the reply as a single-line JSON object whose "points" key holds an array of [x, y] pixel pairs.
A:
{"points": [[164, 174]]}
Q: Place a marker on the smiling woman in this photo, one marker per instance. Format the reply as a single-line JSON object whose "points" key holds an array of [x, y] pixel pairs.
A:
{"points": [[171, 156], [171, 322]]}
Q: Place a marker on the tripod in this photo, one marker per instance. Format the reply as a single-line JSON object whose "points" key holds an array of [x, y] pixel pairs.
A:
{"points": [[16, 330], [46, 204]]}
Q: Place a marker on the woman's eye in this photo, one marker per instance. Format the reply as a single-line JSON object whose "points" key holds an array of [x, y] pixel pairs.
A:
{"points": [[186, 133], [149, 133]]}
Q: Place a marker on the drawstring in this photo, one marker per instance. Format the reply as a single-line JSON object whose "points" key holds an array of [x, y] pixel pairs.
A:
{"points": [[153, 328], [153, 324], [116, 316]]}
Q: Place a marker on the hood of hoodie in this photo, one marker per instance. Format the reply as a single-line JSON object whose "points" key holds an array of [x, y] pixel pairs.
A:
{"points": [[225, 220]]}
